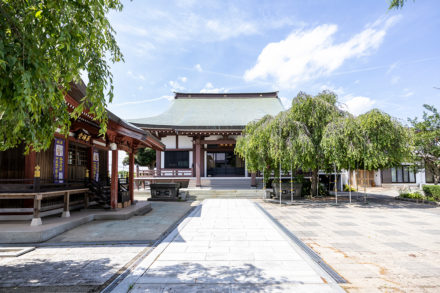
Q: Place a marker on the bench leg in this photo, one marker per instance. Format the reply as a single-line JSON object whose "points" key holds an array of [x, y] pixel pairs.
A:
{"points": [[36, 220], [66, 211]]}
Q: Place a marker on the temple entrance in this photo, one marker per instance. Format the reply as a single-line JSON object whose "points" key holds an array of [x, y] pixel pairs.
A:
{"points": [[224, 164]]}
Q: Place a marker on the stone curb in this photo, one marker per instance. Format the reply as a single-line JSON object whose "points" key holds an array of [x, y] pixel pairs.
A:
{"points": [[418, 200], [43, 234]]}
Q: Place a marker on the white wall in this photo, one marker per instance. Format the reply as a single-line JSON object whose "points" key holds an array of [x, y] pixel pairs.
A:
{"points": [[169, 141], [185, 142], [213, 137], [378, 178]]}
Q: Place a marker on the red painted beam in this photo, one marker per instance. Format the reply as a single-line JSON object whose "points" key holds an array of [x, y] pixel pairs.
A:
{"points": [[114, 180]]}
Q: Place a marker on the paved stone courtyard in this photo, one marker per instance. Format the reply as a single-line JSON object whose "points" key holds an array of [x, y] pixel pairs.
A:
{"points": [[228, 245], [384, 246], [67, 264]]}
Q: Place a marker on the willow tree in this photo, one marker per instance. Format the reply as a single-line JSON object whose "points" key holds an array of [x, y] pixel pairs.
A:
{"points": [[254, 146], [44, 46], [343, 142], [427, 141], [371, 141], [311, 115], [387, 142]]}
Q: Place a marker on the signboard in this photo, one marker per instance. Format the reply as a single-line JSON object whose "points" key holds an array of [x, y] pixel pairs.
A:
{"points": [[95, 165], [83, 135], [58, 160]]}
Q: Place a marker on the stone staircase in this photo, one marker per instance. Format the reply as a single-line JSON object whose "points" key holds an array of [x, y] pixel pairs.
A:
{"points": [[224, 183], [223, 188]]}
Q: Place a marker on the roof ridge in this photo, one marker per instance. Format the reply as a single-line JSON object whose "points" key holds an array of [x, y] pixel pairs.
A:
{"points": [[180, 95]]}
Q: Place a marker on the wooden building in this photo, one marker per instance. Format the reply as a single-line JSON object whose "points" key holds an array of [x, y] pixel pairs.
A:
{"points": [[200, 130], [73, 170]]}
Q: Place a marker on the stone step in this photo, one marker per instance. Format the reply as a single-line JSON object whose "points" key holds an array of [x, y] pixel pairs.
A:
{"points": [[239, 183], [202, 193]]}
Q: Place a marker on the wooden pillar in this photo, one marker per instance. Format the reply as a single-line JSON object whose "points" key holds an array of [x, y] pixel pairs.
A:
{"points": [[66, 160], [253, 179], [114, 180], [158, 162], [197, 163], [131, 175], [29, 165], [90, 164], [36, 220], [66, 210], [202, 162]]}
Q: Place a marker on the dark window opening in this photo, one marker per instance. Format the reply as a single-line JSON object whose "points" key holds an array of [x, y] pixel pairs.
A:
{"points": [[177, 159], [403, 174]]}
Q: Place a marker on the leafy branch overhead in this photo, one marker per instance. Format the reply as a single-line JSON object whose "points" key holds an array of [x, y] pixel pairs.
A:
{"points": [[44, 46]]}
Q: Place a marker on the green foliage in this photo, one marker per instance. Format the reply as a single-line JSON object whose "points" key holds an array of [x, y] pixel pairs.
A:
{"points": [[427, 140], [386, 142], [254, 147], [122, 174], [292, 138], [432, 191], [412, 195], [349, 188], [396, 4], [143, 157], [44, 46], [315, 135]]}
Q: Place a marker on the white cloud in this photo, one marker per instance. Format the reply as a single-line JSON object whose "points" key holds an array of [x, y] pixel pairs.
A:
{"points": [[287, 103], [357, 105], [308, 54], [395, 79], [337, 90], [209, 88], [407, 93], [198, 67], [175, 86], [183, 79], [135, 76], [392, 67]]}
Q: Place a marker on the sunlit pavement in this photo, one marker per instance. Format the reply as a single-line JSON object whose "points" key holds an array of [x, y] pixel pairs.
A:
{"points": [[228, 245], [383, 246]]}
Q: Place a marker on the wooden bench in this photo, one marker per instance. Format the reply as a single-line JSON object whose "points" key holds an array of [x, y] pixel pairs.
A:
{"points": [[38, 196]]}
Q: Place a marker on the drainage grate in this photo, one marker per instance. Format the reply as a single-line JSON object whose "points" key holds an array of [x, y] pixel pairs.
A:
{"points": [[315, 257]]}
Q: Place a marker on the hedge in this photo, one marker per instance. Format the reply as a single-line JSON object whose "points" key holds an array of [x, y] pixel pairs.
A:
{"points": [[432, 191]]}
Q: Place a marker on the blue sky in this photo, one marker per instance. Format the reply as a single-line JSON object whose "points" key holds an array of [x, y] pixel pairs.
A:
{"points": [[369, 56]]}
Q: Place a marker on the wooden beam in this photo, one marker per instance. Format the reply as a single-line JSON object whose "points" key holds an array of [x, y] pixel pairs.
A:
{"points": [[131, 175], [219, 141]]}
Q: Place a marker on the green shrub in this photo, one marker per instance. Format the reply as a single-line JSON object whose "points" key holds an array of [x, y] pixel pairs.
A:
{"points": [[412, 195], [349, 188], [432, 191]]}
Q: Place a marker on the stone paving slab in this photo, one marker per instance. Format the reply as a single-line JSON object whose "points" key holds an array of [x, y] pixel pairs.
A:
{"points": [[66, 267], [228, 245], [23, 232], [396, 248], [138, 228]]}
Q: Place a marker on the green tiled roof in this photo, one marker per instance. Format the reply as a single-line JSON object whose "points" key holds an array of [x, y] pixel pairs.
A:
{"points": [[216, 111]]}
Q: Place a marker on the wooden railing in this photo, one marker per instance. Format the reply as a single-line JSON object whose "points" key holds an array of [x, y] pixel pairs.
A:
{"points": [[165, 173]]}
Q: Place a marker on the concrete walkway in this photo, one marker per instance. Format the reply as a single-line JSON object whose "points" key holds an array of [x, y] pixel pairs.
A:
{"points": [[228, 245]]}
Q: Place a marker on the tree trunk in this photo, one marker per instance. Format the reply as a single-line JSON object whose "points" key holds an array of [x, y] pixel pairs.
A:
{"points": [[314, 188]]}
